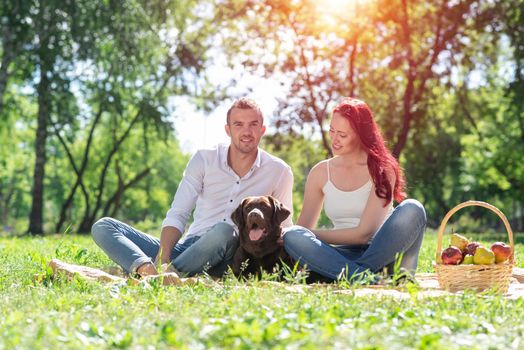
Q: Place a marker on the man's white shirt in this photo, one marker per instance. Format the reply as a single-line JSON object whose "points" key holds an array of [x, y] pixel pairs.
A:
{"points": [[214, 190]]}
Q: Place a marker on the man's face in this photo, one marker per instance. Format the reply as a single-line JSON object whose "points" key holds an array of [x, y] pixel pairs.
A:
{"points": [[245, 130]]}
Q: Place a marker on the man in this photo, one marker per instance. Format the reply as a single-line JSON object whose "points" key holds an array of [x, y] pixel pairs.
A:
{"points": [[214, 183]]}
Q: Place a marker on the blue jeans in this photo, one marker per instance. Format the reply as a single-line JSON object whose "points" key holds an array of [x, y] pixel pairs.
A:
{"points": [[402, 233], [130, 248]]}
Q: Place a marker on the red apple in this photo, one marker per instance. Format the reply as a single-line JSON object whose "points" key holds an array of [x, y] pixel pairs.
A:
{"points": [[471, 248], [451, 256], [501, 250]]}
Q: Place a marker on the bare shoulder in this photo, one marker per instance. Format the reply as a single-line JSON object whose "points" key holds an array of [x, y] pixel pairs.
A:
{"points": [[318, 174]]}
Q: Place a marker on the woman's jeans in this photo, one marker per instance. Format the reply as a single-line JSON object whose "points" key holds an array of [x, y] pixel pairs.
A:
{"points": [[130, 248], [401, 233]]}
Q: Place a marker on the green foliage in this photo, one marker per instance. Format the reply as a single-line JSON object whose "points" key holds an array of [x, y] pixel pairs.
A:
{"points": [[105, 118], [16, 158], [431, 161], [444, 79], [411, 61]]}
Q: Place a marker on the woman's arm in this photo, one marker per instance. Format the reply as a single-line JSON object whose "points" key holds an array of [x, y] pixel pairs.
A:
{"points": [[313, 196], [372, 217]]}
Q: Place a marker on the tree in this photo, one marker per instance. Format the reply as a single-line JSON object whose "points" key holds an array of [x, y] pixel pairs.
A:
{"points": [[95, 65], [162, 58], [401, 57], [386, 52], [49, 47], [15, 29]]}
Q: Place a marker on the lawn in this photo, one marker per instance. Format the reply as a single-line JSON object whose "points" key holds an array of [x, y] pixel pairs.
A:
{"points": [[79, 314]]}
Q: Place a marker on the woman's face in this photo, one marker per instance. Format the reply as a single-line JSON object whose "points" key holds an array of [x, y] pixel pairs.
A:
{"points": [[343, 138]]}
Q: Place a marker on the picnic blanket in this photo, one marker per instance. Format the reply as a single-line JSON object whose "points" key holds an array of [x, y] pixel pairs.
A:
{"points": [[427, 283]]}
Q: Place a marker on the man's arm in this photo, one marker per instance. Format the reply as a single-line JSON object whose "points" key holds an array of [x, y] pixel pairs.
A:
{"points": [[186, 194], [183, 204], [168, 238]]}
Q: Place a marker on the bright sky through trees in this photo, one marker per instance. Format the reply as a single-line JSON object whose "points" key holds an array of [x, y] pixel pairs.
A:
{"points": [[196, 129]]}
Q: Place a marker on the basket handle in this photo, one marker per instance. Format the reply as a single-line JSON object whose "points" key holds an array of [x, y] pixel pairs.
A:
{"points": [[480, 204]]}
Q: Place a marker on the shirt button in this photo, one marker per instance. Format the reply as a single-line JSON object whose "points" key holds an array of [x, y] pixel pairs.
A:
{"points": [[224, 219], [230, 201], [238, 182]]}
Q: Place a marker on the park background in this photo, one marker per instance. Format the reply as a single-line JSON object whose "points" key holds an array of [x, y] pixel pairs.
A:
{"points": [[102, 102]]}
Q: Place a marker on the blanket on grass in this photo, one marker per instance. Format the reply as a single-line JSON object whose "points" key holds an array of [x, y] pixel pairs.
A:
{"points": [[427, 283]]}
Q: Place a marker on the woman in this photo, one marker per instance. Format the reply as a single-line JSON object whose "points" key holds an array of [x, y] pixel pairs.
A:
{"points": [[357, 188]]}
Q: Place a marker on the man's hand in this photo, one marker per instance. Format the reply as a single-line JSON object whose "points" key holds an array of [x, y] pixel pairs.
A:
{"points": [[147, 269], [168, 238]]}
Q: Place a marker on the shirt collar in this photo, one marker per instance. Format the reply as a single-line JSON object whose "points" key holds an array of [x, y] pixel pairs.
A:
{"points": [[222, 153], [258, 160]]}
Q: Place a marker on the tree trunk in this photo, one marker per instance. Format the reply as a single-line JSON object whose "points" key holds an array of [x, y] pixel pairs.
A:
{"points": [[89, 218], [36, 216], [115, 200], [401, 140], [79, 173], [351, 66], [5, 203], [406, 118]]}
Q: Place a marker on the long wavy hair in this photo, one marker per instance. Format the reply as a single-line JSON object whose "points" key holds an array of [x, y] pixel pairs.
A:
{"points": [[380, 158]]}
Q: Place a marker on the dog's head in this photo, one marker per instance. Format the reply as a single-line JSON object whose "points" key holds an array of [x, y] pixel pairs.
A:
{"points": [[258, 220]]}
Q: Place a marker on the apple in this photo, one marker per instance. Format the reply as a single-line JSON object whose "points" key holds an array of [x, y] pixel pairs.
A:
{"points": [[501, 250], [472, 247], [468, 259], [451, 256], [483, 256], [459, 241]]}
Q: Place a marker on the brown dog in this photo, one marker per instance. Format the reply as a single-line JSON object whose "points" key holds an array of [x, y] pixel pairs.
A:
{"points": [[261, 246]]}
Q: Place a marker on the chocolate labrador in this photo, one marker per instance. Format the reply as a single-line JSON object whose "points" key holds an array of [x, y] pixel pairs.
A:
{"points": [[261, 246]]}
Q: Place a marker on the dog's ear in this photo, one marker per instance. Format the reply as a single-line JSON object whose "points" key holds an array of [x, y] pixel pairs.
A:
{"points": [[280, 212], [238, 215]]}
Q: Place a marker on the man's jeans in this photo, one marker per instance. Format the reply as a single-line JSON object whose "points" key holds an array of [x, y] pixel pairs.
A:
{"points": [[130, 248], [402, 233]]}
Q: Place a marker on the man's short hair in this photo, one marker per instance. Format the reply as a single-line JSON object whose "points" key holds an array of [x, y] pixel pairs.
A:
{"points": [[246, 103]]}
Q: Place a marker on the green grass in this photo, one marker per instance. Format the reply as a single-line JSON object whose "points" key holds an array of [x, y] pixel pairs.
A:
{"points": [[79, 314]]}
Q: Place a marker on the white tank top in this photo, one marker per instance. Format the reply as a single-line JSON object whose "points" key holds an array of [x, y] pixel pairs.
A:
{"points": [[345, 208]]}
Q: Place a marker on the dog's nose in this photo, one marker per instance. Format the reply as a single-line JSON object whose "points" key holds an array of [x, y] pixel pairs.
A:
{"points": [[256, 213]]}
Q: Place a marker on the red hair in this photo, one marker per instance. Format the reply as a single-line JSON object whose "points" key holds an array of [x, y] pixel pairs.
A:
{"points": [[380, 159]]}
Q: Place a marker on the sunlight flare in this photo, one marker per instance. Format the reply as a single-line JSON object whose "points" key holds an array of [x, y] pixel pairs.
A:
{"points": [[339, 7], [341, 16]]}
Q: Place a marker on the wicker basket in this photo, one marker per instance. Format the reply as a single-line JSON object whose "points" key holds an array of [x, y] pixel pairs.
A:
{"points": [[475, 277]]}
